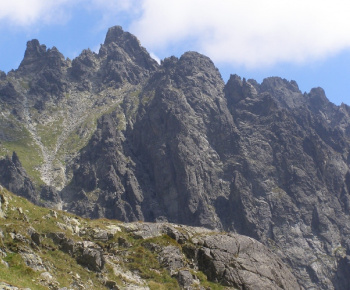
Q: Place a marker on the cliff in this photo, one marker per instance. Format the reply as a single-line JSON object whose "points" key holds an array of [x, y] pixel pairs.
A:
{"points": [[115, 135]]}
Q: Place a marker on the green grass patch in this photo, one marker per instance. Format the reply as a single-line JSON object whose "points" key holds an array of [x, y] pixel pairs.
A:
{"points": [[146, 264], [27, 151], [208, 284], [50, 132], [18, 274]]}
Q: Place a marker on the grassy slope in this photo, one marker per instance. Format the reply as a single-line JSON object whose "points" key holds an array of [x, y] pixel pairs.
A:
{"points": [[21, 215]]}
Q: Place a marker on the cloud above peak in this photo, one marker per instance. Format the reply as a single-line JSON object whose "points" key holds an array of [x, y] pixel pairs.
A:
{"points": [[23, 13], [250, 33]]}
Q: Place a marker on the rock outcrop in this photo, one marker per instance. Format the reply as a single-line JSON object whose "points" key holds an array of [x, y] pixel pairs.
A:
{"points": [[14, 177], [113, 134], [111, 255]]}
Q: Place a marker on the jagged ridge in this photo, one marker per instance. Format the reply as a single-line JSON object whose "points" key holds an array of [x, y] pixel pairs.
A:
{"points": [[137, 141]]}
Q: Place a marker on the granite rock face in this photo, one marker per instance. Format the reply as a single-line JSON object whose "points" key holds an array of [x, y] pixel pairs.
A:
{"points": [[124, 138], [115, 255], [15, 178], [228, 259]]}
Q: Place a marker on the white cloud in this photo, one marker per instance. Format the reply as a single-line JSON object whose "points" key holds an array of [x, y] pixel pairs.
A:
{"points": [[114, 12], [115, 5], [28, 12], [155, 57], [252, 32]]}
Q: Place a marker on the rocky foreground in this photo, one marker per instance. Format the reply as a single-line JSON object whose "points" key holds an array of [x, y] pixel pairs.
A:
{"points": [[50, 249]]}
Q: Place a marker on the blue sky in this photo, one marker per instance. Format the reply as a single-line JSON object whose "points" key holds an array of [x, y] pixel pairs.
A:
{"points": [[305, 41]]}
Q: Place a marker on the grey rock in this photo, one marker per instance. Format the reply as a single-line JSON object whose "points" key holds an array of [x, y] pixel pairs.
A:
{"points": [[171, 258], [66, 245], [2, 75], [14, 177], [6, 286], [3, 205], [101, 235], [228, 260], [124, 58], [86, 253], [46, 276], [50, 195], [185, 279], [90, 255], [33, 260], [177, 235], [112, 285], [174, 143], [35, 236]]}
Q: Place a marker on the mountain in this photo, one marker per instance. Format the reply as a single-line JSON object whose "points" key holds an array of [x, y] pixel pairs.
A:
{"points": [[115, 135]]}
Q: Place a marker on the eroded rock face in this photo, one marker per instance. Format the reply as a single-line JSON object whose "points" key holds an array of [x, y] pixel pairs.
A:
{"points": [[229, 259], [15, 178], [164, 165], [261, 160], [130, 255], [300, 199], [215, 259], [174, 143]]}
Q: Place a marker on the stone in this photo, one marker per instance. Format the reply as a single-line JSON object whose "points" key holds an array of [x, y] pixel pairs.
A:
{"points": [[122, 242], [15, 179], [111, 285], [90, 255], [171, 258], [228, 259], [113, 229], [173, 142], [47, 277], [101, 235], [3, 205], [33, 261], [177, 235], [35, 236], [185, 278]]}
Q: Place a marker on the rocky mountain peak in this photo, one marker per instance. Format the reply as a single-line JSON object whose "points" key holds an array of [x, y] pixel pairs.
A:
{"points": [[277, 82], [317, 97], [285, 92], [34, 49], [124, 138], [192, 63], [116, 38], [37, 57], [124, 59], [33, 54], [84, 66], [237, 89], [2, 75], [169, 62], [191, 70], [114, 34]]}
